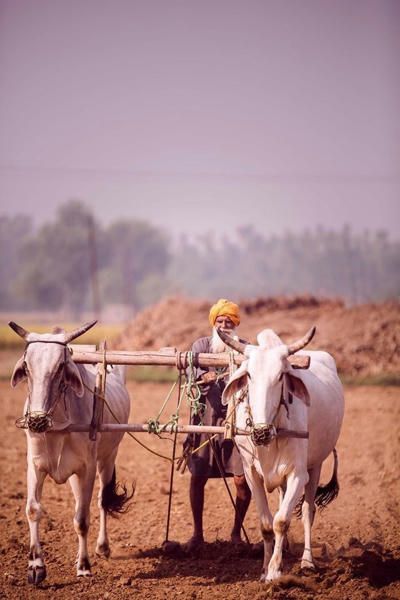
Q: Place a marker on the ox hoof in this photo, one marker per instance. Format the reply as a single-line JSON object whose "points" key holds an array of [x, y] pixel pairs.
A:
{"points": [[193, 545], [36, 574], [263, 577], [83, 568], [83, 573], [103, 551], [273, 576], [307, 565]]}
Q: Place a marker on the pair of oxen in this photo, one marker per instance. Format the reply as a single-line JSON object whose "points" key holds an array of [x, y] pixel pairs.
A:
{"points": [[293, 419]]}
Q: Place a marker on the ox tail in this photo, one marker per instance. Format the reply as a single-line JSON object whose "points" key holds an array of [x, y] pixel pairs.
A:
{"points": [[325, 493], [328, 492], [115, 497]]}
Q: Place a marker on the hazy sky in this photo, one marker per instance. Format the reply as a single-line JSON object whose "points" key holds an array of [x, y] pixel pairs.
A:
{"points": [[203, 114]]}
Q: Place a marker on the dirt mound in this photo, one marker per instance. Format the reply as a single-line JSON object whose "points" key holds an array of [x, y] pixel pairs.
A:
{"points": [[364, 339]]}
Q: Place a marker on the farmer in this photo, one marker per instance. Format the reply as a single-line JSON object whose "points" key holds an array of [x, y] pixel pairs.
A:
{"points": [[203, 463]]}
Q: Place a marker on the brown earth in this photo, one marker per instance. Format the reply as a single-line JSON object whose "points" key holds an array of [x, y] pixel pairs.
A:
{"points": [[364, 339], [356, 539]]}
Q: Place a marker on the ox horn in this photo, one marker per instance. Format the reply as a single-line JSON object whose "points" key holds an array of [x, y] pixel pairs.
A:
{"points": [[232, 343], [19, 330], [80, 331], [299, 344]]}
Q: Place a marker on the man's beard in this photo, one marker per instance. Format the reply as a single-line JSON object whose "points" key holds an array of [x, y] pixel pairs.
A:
{"points": [[217, 345]]}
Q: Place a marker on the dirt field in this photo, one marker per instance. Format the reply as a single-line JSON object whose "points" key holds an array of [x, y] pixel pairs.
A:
{"points": [[356, 539]]}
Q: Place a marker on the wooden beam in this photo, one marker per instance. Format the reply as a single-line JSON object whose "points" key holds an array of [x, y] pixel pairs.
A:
{"points": [[168, 357], [144, 427]]}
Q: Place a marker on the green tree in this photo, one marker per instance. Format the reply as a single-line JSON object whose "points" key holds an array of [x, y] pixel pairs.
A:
{"points": [[56, 270], [136, 251]]}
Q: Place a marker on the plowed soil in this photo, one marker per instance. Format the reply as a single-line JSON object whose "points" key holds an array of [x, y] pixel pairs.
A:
{"points": [[356, 539]]}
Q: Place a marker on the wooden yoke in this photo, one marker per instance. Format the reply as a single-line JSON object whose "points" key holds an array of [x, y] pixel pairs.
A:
{"points": [[168, 357]]}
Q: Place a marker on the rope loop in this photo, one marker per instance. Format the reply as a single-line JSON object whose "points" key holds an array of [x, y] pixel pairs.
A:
{"points": [[181, 361], [193, 391], [22, 422], [153, 426], [174, 422], [185, 360]]}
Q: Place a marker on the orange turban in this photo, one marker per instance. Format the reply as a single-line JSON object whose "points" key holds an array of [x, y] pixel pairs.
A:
{"points": [[226, 309]]}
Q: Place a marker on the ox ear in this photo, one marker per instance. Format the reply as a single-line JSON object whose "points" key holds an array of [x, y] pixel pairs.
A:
{"points": [[73, 378], [297, 388], [236, 383], [19, 373]]}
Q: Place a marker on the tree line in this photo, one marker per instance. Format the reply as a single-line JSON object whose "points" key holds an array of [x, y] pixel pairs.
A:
{"points": [[76, 264]]}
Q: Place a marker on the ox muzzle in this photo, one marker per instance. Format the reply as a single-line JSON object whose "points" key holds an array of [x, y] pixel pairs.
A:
{"points": [[36, 421], [262, 435]]}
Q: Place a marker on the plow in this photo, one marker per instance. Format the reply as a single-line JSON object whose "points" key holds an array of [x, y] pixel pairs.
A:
{"points": [[183, 362]]}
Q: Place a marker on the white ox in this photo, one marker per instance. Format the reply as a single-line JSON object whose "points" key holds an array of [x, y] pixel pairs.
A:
{"points": [[59, 393], [295, 419]]}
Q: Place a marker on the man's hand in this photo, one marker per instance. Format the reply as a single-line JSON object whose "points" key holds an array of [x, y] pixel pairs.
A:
{"points": [[209, 377]]}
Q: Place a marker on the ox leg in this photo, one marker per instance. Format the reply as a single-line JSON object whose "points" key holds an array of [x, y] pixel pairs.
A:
{"points": [[36, 566], [308, 513], [256, 485], [82, 487], [105, 473], [282, 490], [295, 486]]}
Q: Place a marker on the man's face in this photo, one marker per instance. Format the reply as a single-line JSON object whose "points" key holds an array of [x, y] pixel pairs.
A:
{"points": [[225, 323]]}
